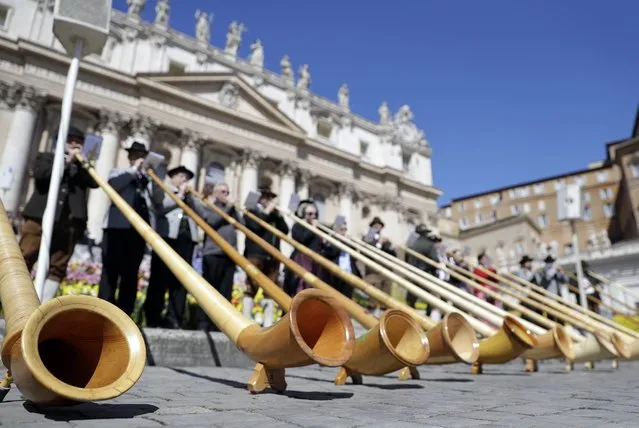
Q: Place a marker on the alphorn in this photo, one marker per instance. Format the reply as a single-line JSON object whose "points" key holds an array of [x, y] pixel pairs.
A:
{"points": [[599, 302], [590, 347], [555, 343], [451, 340], [392, 342], [70, 349], [624, 344], [552, 343], [500, 345], [602, 343], [613, 284], [598, 346], [316, 329], [556, 301]]}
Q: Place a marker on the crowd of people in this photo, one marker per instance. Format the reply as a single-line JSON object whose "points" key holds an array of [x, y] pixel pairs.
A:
{"points": [[123, 248]]}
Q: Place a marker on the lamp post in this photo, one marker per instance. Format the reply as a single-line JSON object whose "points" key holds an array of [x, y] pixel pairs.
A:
{"points": [[569, 207], [82, 27]]}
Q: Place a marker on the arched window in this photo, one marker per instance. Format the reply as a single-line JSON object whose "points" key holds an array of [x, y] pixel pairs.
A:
{"points": [[215, 173]]}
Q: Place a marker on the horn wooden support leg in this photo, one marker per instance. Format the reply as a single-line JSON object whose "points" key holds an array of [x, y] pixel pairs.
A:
{"points": [[5, 385], [264, 377], [615, 364], [569, 366], [477, 368], [408, 373], [531, 366], [589, 365], [343, 374]]}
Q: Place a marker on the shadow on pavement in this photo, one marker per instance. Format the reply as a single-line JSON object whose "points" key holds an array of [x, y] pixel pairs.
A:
{"points": [[85, 411], [301, 395]]}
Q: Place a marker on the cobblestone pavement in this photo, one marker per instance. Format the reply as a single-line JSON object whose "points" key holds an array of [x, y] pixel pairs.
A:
{"points": [[446, 396]]}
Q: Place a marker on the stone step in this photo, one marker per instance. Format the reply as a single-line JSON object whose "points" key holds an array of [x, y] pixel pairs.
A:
{"points": [[189, 348]]}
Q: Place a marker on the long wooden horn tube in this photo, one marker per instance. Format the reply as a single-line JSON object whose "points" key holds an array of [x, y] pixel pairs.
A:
{"points": [[453, 339], [610, 343], [491, 349], [393, 342], [550, 299], [599, 302], [613, 284], [72, 348], [556, 343], [599, 345], [315, 330]]}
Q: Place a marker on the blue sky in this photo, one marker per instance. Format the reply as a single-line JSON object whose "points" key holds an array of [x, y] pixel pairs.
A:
{"points": [[506, 91]]}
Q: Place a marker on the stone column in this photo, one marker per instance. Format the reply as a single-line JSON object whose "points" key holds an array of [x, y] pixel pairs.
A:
{"points": [[190, 156], [248, 183], [346, 191], [304, 184], [250, 162], [287, 189], [26, 102], [390, 216], [142, 130], [110, 125], [287, 183]]}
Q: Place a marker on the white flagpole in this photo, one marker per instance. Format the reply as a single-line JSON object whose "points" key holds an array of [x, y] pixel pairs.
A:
{"points": [[48, 218]]}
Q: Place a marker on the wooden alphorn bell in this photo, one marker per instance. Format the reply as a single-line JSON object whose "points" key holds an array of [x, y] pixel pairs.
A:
{"points": [[615, 340], [557, 342], [550, 299], [70, 349], [596, 346], [316, 329], [601, 343], [393, 342], [553, 343], [501, 344], [451, 340]]}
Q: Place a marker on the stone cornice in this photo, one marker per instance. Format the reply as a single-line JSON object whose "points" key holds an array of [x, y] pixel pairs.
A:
{"points": [[243, 65], [133, 101]]}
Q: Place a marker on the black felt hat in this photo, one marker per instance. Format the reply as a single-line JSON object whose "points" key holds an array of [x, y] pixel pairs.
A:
{"points": [[525, 259], [549, 259], [179, 169], [376, 220], [137, 148], [265, 190]]}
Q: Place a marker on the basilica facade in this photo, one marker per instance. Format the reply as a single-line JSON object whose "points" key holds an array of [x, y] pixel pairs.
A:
{"points": [[222, 116]]}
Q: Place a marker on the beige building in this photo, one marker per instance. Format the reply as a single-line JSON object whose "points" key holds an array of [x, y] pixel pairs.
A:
{"points": [[208, 109], [536, 201]]}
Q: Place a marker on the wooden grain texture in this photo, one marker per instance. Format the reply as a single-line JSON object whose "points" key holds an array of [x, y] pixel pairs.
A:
{"points": [[284, 344]]}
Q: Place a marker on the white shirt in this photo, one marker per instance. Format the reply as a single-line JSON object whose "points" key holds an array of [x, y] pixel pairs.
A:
{"points": [[345, 262]]}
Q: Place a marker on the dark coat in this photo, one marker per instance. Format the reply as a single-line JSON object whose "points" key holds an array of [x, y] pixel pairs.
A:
{"points": [[309, 239], [73, 190], [333, 253], [425, 247], [251, 249]]}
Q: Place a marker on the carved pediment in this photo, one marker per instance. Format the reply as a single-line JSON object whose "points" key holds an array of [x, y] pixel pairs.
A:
{"points": [[230, 93]]}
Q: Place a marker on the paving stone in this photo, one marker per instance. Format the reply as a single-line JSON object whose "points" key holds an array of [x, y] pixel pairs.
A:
{"points": [[445, 396]]}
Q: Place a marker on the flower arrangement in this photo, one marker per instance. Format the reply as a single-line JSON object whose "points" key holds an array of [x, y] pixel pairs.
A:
{"points": [[83, 278]]}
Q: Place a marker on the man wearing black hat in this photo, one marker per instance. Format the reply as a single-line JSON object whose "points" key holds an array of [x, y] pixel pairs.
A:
{"points": [[527, 273], [374, 237], [70, 214], [180, 232], [265, 210], [424, 245], [122, 246]]}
